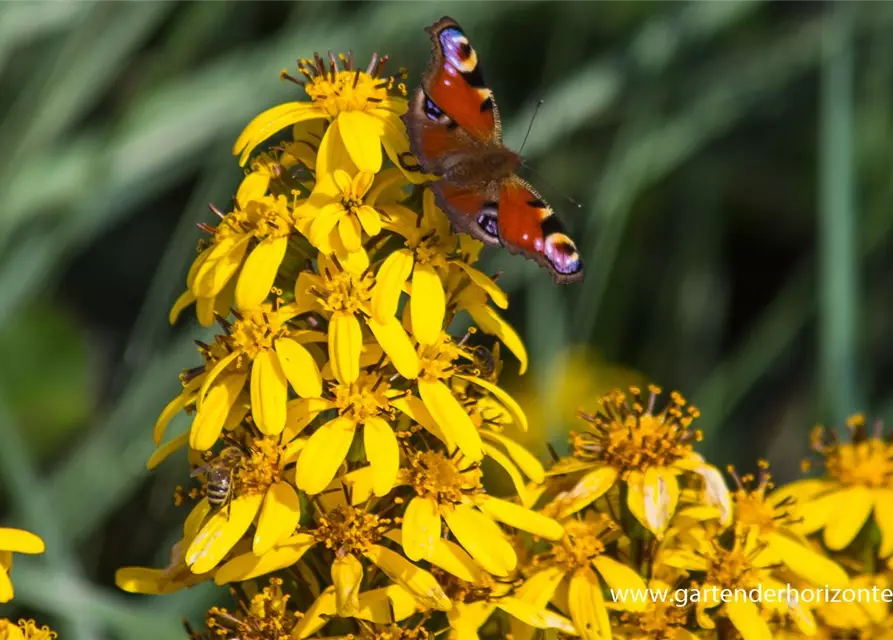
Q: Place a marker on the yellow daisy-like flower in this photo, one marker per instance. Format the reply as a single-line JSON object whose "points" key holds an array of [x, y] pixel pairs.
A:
{"points": [[449, 490], [572, 567], [382, 607], [258, 490], [437, 265], [340, 296], [362, 112], [659, 620], [264, 349], [858, 482], [25, 630], [351, 534], [741, 569], [772, 518], [14, 541], [647, 450], [246, 250]]}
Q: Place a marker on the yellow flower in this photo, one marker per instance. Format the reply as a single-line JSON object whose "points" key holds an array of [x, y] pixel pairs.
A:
{"points": [[362, 112], [340, 296], [574, 565], [858, 482], [258, 490], [450, 490], [14, 541], [351, 534], [25, 630], [382, 607], [264, 349], [476, 600], [666, 620], [246, 250], [437, 264], [341, 207], [745, 567], [866, 619], [772, 518], [648, 451]]}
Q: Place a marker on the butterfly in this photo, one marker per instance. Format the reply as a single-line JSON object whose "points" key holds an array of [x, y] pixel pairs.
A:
{"points": [[456, 135]]}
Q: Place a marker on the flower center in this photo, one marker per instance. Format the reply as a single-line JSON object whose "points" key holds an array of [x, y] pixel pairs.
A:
{"points": [[365, 398], [335, 89], [259, 469], [256, 331], [481, 590], [868, 463], [732, 569], [347, 529], [436, 360], [629, 436], [262, 218], [265, 617], [345, 291], [432, 474], [28, 629], [583, 541], [395, 632], [658, 622]]}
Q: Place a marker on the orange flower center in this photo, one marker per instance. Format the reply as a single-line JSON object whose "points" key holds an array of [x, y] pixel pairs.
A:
{"points": [[347, 529], [583, 541], [436, 360], [345, 291], [265, 618], [365, 398]]}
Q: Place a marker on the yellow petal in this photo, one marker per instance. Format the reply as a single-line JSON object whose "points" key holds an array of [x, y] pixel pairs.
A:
{"points": [[161, 453], [323, 454], [389, 282], [323, 223], [496, 294], [370, 220], [20, 541], [347, 574], [492, 323], [386, 605], [383, 454], [300, 368], [536, 618], [806, 563], [539, 588], [619, 576], [482, 538], [204, 311], [6, 590], [221, 532], [332, 154], [184, 300], [514, 515], [587, 606], [451, 418], [514, 475], [416, 410], [396, 343], [349, 230], [525, 460], [427, 304], [505, 399], [661, 494], [279, 516], [415, 580], [269, 393], [269, 122], [196, 518], [259, 272], [173, 407], [345, 344], [421, 528], [210, 377], [316, 616], [590, 488], [248, 565], [396, 145], [855, 506], [745, 615], [253, 186], [222, 263], [209, 420], [361, 134], [454, 559]]}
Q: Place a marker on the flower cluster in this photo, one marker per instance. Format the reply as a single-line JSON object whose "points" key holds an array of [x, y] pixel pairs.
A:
{"points": [[344, 437], [18, 541]]}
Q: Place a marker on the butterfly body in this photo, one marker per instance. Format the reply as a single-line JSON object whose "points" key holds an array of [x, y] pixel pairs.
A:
{"points": [[456, 134]]}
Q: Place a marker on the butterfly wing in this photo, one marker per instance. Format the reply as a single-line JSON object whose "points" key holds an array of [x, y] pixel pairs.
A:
{"points": [[527, 225]]}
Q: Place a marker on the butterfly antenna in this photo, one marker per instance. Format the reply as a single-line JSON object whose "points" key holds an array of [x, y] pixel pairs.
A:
{"points": [[536, 110], [552, 185]]}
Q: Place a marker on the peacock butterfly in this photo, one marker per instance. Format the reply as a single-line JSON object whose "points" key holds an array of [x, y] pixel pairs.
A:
{"points": [[455, 133]]}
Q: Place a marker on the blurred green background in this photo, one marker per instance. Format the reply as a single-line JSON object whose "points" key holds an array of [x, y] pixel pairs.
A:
{"points": [[733, 160]]}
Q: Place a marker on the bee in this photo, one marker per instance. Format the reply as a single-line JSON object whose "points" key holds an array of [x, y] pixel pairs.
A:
{"points": [[487, 362], [218, 474]]}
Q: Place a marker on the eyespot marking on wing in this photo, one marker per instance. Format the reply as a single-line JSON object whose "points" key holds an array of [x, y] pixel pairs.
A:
{"points": [[487, 219], [562, 254]]}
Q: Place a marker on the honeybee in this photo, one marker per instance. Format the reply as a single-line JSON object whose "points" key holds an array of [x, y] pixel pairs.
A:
{"points": [[488, 362], [218, 473]]}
